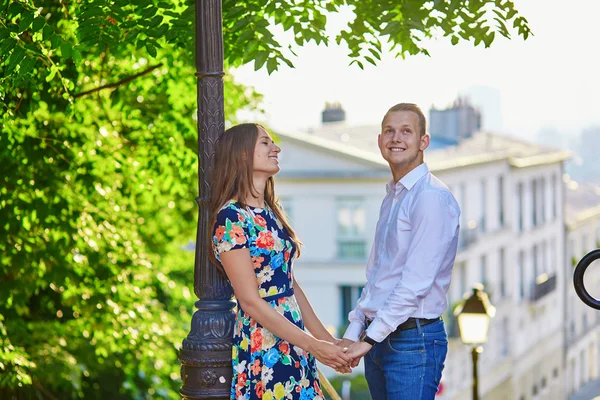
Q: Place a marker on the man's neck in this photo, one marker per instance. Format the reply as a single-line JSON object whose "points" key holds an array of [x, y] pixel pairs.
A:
{"points": [[400, 171]]}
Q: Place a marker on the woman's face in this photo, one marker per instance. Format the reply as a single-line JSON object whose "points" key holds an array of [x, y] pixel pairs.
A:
{"points": [[265, 154]]}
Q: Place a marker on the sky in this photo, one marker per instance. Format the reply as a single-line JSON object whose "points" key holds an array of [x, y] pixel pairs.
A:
{"points": [[551, 80]]}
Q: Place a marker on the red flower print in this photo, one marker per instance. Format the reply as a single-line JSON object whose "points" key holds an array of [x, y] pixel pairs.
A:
{"points": [[257, 262], [242, 379], [260, 221], [237, 233], [298, 389], [265, 240], [281, 300], [241, 218], [260, 390], [286, 256], [257, 339], [256, 367], [284, 348], [318, 388], [220, 232], [297, 365]]}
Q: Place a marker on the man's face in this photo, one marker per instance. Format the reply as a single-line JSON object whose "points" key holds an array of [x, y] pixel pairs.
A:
{"points": [[400, 141]]}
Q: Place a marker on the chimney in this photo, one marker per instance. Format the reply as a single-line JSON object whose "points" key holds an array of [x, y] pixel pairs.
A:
{"points": [[333, 112]]}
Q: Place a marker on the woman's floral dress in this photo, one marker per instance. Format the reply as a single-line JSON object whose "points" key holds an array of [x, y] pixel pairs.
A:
{"points": [[265, 366]]}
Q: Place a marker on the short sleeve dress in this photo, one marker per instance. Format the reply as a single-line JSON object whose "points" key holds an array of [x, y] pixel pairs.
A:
{"points": [[264, 365]]}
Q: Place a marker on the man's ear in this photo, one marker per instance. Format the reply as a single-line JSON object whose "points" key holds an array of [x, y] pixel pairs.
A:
{"points": [[425, 139]]}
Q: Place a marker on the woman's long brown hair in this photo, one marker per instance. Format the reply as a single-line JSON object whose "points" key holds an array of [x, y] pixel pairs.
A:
{"points": [[232, 178]]}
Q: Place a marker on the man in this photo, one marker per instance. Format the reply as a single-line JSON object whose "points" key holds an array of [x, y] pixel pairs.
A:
{"points": [[397, 321]]}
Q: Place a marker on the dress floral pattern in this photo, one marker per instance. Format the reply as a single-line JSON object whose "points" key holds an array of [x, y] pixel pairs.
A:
{"points": [[264, 365]]}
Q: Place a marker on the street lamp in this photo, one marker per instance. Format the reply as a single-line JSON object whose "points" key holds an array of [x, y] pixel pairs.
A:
{"points": [[473, 323]]}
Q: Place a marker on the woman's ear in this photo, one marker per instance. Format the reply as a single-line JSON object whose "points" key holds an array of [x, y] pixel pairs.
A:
{"points": [[244, 156]]}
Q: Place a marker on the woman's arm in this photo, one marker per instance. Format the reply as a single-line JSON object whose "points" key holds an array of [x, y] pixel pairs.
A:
{"points": [[311, 320], [240, 271]]}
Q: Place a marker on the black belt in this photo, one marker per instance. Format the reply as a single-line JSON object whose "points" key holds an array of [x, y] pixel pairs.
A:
{"points": [[411, 323]]}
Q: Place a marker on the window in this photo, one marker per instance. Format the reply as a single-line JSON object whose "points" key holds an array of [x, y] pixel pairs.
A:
{"points": [[483, 270], [501, 201], [462, 279], [521, 275], [545, 266], [554, 194], [350, 296], [554, 255], [502, 267], [585, 243], [351, 227], [534, 199], [482, 219], [534, 257], [543, 200], [520, 206], [504, 348]]}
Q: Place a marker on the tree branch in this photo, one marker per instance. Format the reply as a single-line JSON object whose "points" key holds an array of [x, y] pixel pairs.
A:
{"points": [[119, 83]]}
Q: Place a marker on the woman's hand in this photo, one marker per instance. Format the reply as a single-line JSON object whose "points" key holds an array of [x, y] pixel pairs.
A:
{"points": [[331, 355]]}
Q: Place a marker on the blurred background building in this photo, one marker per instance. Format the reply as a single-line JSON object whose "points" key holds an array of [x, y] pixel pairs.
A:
{"points": [[516, 219]]}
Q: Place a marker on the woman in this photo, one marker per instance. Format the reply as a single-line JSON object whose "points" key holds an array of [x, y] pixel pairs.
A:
{"points": [[255, 245]]}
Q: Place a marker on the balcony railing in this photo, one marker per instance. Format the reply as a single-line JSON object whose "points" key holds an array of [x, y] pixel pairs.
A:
{"points": [[544, 285]]}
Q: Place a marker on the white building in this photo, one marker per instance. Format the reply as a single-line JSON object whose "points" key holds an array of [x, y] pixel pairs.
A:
{"points": [[511, 194], [582, 331]]}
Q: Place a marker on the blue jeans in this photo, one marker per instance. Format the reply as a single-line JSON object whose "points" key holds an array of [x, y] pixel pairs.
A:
{"points": [[408, 364]]}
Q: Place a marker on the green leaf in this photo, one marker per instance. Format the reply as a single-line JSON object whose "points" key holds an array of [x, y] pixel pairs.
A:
{"points": [[149, 12], [27, 65], [66, 50], [26, 20], [47, 32], [38, 23], [454, 40], [151, 49], [7, 45], [261, 58], [15, 58]]}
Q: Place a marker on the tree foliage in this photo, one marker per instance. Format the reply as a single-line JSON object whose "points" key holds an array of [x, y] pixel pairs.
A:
{"points": [[98, 169]]}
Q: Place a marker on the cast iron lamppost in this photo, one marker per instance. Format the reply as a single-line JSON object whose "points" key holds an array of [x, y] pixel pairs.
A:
{"points": [[580, 269], [473, 322], [205, 355]]}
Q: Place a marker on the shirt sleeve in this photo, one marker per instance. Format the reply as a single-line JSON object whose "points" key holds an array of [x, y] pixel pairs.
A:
{"points": [[357, 320], [434, 224], [230, 231]]}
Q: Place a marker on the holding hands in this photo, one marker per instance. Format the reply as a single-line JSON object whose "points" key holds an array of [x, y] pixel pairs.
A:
{"points": [[331, 355]]}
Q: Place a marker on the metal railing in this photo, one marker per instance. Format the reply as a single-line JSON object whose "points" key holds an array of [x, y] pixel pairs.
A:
{"points": [[580, 288]]}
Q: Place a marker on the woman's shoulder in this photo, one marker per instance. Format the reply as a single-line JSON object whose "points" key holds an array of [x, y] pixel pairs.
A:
{"points": [[231, 209]]}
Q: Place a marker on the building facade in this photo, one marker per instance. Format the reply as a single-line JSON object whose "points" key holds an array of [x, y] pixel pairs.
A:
{"points": [[582, 328], [512, 239]]}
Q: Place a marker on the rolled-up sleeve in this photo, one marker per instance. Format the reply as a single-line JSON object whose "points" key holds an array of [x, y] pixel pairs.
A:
{"points": [[434, 226]]}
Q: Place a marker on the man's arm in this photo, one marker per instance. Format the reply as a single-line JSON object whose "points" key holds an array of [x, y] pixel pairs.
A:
{"points": [[434, 223]]}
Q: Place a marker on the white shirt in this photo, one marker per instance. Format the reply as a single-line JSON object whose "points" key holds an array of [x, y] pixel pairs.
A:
{"points": [[410, 266]]}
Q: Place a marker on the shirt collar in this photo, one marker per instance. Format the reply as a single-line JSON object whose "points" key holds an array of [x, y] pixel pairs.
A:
{"points": [[409, 180]]}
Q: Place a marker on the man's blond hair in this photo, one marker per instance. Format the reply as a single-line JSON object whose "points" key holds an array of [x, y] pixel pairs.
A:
{"points": [[409, 107]]}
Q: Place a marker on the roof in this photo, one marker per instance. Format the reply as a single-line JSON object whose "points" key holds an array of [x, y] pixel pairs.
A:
{"points": [[582, 202], [360, 142]]}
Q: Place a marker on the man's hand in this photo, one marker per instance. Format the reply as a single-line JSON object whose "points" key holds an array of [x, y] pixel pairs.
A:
{"points": [[358, 351], [344, 343]]}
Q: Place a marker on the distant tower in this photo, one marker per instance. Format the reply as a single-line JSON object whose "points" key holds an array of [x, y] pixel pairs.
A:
{"points": [[455, 123], [333, 112]]}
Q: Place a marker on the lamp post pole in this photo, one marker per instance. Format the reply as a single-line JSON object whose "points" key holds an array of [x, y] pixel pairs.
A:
{"points": [[475, 355], [205, 355]]}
